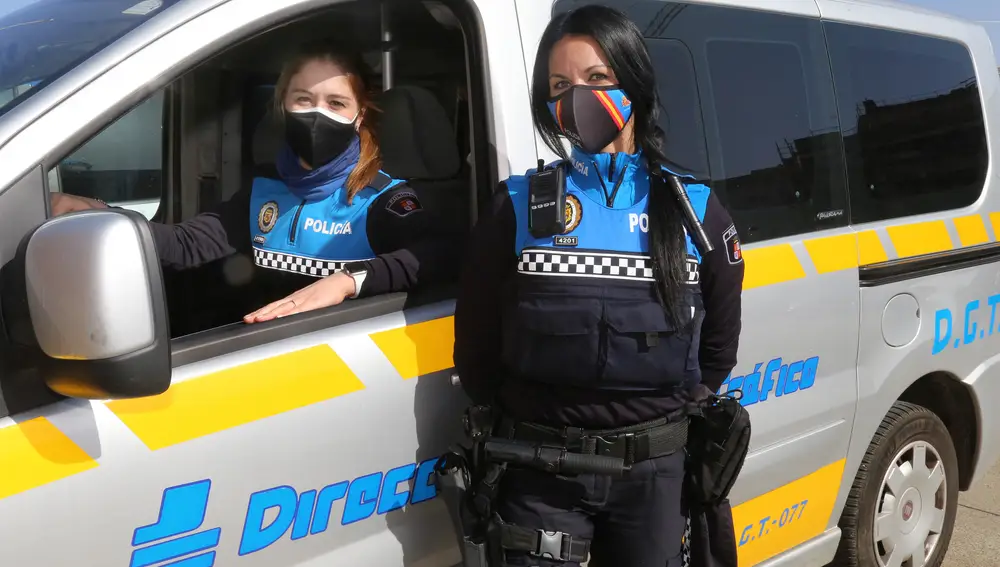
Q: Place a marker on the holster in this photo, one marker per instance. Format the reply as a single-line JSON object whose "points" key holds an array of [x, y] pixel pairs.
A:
{"points": [[453, 478], [467, 484], [718, 443]]}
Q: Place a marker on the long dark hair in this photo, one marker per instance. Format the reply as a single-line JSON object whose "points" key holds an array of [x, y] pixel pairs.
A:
{"points": [[628, 57]]}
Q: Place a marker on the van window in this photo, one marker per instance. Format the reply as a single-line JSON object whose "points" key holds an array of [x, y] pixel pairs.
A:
{"points": [[682, 122], [123, 164], [220, 118], [750, 110], [912, 122]]}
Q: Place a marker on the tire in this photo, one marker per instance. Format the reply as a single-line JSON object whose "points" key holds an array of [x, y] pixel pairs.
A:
{"points": [[906, 432]]}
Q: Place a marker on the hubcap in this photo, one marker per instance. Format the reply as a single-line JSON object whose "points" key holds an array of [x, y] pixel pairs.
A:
{"points": [[910, 512]]}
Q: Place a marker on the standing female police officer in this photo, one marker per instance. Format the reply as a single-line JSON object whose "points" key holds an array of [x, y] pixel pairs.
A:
{"points": [[593, 338]]}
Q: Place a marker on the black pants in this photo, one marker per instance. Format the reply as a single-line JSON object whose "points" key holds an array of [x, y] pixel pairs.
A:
{"points": [[633, 521]]}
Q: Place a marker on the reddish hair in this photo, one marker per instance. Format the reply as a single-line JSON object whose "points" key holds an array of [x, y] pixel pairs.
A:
{"points": [[357, 73]]}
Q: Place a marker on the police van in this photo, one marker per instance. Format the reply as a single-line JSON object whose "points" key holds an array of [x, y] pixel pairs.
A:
{"points": [[852, 141]]}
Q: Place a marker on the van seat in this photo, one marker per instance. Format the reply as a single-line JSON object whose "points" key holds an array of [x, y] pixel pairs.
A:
{"points": [[418, 145], [416, 135]]}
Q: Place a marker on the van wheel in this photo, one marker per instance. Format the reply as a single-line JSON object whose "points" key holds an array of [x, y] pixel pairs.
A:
{"points": [[901, 509]]}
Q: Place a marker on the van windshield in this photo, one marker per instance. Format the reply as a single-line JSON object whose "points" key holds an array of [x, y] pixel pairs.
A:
{"points": [[41, 40]]}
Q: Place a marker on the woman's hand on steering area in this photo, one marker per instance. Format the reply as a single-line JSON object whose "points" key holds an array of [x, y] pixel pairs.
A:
{"points": [[331, 290]]}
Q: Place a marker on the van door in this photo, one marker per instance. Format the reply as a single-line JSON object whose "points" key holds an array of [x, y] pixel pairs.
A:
{"points": [[750, 111]]}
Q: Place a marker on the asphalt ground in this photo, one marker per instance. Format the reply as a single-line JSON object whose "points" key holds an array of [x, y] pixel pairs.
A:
{"points": [[976, 541]]}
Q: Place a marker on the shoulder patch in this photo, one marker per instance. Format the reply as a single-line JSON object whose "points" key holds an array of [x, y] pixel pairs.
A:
{"points": [[732, 241], [403, 204]]}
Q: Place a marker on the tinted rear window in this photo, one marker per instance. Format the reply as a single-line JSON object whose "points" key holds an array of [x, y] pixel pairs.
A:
{"points": [[912, 122]]}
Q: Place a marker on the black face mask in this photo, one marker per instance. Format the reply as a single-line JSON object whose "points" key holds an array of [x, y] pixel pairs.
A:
{"points": [[318, 136], [591, 117]]}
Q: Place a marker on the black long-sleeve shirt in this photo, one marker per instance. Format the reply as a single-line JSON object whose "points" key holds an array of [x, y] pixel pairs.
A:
{"points": [[489, 267], [409, 250]]}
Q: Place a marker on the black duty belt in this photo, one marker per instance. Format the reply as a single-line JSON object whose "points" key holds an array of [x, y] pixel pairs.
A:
{"points": [[632, 444]]}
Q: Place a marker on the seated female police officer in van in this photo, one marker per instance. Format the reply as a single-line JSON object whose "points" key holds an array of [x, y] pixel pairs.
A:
{"points": [[608, 324], [329, 213]]}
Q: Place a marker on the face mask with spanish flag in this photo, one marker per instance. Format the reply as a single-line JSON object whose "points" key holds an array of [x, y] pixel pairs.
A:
{"points": [[591, 117]]}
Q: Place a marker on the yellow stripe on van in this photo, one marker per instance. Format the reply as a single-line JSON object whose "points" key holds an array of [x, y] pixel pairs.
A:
{"points": [[833, 253], [420, 349], [870, 249], [920, 238], [770, 265], [35, 453], [971, 230], [995, 222], [787, 516], [236, 396]]}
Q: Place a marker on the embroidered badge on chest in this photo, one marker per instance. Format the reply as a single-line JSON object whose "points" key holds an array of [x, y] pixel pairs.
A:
{"points": [[267, 217], [574, 213]]}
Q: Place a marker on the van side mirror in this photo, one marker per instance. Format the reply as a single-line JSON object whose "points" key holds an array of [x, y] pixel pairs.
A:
{"points": [[85, 291]]}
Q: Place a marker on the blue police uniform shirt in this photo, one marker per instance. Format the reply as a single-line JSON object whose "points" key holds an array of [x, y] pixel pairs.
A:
{"points": [[586, 311], [314, 238]]}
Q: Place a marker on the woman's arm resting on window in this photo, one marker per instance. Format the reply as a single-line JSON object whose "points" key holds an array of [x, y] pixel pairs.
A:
{"points": [[409, 253]]}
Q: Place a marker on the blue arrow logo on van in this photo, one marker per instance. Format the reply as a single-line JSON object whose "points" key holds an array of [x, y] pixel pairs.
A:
{"points": [[182, 510]]}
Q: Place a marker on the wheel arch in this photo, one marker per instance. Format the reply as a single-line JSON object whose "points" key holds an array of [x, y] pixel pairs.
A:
{"points": [[952, 401]]}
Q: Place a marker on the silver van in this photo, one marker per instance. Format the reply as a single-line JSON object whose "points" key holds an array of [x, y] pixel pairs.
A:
{"points": [[142, 425]]}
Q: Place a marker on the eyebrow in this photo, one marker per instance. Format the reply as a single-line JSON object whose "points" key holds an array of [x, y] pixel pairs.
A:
{"points": [[336, 96], [589, 69]]}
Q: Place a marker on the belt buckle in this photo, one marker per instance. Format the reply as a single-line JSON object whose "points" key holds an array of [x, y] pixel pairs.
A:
{"points": [[609, 447], [549, 545]]}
